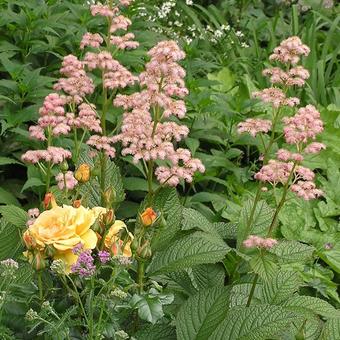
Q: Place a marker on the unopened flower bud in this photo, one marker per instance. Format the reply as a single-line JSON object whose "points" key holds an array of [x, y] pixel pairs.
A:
{"points": [[134, 245], [109, 197], [38, 261], [50, 250], [108, 218], [49, 201], [145, 251], [28, 240], [64, 167], [83, 173], [76, 203], [148, 217]]}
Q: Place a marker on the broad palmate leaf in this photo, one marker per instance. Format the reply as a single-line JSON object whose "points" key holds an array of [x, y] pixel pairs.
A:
{"points": [[201, 313]]}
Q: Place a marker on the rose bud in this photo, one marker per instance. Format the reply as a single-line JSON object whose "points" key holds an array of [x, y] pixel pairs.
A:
{"points": [[148, 217], [76, 203], [109, 197], [38, 261], [49, 201], [50, 251], [28, 240], [64, 166], [83, 173], [145, 251]]}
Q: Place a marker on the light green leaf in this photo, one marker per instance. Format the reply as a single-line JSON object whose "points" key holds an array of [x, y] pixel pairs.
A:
{"points": [[7, 197], [308, 305], [10, 241], [282, 286], [256, 322], [196, 248], [201, 313], [14, 215], [32, 182], [263, 266], [7, 160], [156, 332], [331, 330], [149, 308], [292, 251]]}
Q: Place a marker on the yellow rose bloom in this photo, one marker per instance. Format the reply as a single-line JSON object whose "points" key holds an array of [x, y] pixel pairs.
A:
{"points": [[63, 228], [114, 243]]}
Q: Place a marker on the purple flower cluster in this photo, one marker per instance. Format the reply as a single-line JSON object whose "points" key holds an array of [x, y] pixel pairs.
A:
{"points": [[84, 266], [104, 256]]}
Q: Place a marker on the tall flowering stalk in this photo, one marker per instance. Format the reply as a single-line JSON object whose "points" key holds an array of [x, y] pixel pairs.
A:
{"points": [[299, 131], [147, 133]]}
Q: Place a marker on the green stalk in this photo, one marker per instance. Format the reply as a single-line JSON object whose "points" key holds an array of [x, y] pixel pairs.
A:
{"points": [[252, 290], [282, 201], [150, 175], [40, 286], [140, 275]]}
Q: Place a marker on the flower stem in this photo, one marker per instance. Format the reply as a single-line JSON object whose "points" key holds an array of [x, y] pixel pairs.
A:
{"points": [[252, 290], [150, 175], [282, 201], [140, 275], [40, 286]]}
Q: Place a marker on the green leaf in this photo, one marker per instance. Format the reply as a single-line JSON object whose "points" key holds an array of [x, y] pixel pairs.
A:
{"points": [[192, 219], [292, 251], [282, 286], [256, 322], [149, 307], [7, 197], [156, 332], [136, 184], [10, 241], [201, 313], [14, 215], [261, 221], [308, 305], [7, 160], [196, 248], [263, 266], [331, 330], [32, 182]]}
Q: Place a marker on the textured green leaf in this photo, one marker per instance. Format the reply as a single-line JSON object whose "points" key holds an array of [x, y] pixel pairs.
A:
{"points": [[331, 330], [199, 277], [256, 322], [32, 182], [292, 251], [193, 219], [7, 197], [311, 305], [263, 266], [240, 293], [10, 240], [14, 215], [196, 248], [7, 160], [167, 202], [201, 313], [156, 332], [261, 221], [280, 287]]}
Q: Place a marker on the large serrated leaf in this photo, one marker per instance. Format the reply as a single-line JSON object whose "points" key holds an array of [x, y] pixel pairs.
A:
{"points": [[10, 241], [199, 277], [167, 202], [156, 332], [280, 287], [331, 330], [292, 251], [309, 305], [91, 190], [256, 322], [261, 220], [196, 248], [201, 313], [263, 266], [14, 215]]}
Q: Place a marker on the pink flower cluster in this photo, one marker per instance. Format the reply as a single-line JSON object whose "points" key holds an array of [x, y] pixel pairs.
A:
{"points": [[69, 180], [304, 125], [93, 40], [306, 190], [275, 172], [295, 76], [144, 134], [53, 154], [77, 83], [314, 147], [289, 51], [87, 118], [254, 126], [276, 97], [285, 155], [254, 241], [103, 143], [32, 214]]}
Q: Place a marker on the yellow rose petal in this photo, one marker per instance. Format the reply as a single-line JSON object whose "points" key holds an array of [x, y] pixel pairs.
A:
{"points": [[89, 239]]}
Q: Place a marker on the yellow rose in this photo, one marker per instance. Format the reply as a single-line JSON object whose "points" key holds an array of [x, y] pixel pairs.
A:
{"points": [[114, 243], [83, 173], [63, 228]]}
